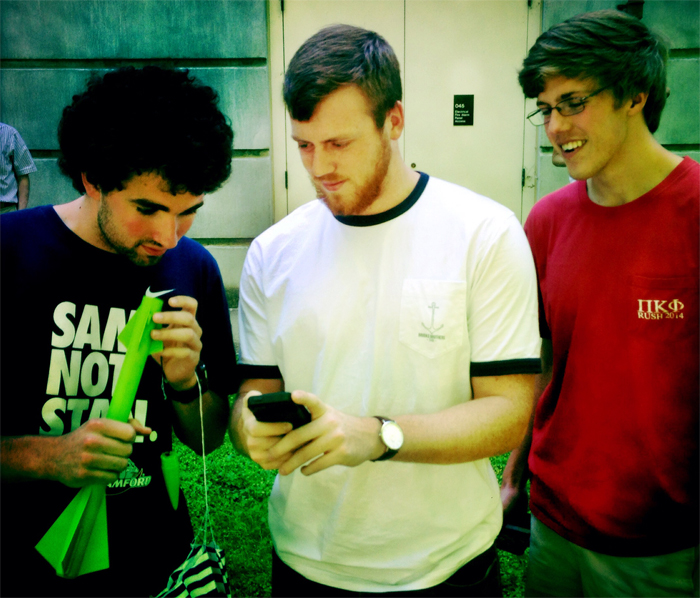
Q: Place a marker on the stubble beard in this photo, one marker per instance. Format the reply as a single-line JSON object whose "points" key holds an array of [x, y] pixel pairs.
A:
{"points": [[364, 196], [110, 237]]}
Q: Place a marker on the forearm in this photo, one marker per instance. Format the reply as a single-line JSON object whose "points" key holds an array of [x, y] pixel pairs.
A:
{"points": [[470, 431], [23, 191], [25, 458], [493, 422], [95, 453], [517, 472], [188, 426]]}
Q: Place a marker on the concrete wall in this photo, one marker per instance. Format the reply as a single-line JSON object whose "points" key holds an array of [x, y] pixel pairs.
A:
{"points": [[678, 21], [50, 47]]}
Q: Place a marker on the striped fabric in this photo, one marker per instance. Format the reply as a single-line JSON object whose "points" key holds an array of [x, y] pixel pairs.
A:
{"points": [[204, 571], [202, 574], [15, 160]]}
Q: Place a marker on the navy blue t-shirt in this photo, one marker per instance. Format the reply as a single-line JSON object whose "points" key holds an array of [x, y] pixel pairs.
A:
{"points": [[63, 304]]}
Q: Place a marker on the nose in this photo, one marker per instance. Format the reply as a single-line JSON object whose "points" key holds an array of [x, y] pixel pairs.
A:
{"points": [[556, 123], [321, 163], [167, 232]]}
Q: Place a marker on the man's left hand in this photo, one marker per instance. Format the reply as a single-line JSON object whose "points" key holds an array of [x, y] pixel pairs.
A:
{"points": [[331, 438], [181, 336]]}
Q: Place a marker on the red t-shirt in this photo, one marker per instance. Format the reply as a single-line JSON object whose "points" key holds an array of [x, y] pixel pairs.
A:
{"points": [[614, 456]]}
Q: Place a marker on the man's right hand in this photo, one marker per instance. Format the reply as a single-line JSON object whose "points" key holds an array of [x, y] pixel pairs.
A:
{"points": [[332, 438], [510, 497], [258, 438], [95, 453]]}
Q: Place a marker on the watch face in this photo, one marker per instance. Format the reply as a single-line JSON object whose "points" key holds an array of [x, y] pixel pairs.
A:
{"points": [[392, 435]]}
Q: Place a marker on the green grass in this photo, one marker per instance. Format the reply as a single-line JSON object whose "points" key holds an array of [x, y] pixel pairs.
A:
{"points": [[238, 491]]}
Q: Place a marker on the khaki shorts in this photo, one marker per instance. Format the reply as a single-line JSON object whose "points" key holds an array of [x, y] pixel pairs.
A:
{"points": [[558, 567]]}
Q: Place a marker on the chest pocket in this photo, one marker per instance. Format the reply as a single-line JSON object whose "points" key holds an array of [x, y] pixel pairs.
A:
{"points": [[433, 316]]}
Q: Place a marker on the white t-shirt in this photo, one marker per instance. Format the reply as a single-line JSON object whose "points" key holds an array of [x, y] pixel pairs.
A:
{"points": [[388, 315]]}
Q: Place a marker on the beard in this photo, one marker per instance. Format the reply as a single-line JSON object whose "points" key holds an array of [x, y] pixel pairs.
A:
{"points": [[366, 194], [111, 237]]}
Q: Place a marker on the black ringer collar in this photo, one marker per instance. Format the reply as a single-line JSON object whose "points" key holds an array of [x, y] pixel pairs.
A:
{"points": [[395, 212]]}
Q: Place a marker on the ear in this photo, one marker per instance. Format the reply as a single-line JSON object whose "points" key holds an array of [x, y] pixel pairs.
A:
{"points": [[92, 191], [395, 121], [638, 103]]}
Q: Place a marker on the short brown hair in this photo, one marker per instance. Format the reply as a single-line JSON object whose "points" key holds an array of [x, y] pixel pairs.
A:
{"points": [[613, 48], [337, 56]]}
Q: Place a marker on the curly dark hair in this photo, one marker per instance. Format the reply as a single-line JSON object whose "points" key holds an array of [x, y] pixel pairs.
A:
{"points": [[342, 55], [133, 121], [613, 48]]}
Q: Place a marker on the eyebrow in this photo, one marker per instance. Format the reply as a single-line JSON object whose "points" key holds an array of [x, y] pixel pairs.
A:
{"points": [[563, 97], [331, 140], [152, 205]]}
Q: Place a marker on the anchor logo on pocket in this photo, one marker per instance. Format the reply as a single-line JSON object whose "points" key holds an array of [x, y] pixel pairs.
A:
{"points": [[431, 329], [432, 318]]}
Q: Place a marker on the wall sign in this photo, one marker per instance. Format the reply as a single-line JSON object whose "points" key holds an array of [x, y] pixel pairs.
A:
{"points": [[463, 111]]}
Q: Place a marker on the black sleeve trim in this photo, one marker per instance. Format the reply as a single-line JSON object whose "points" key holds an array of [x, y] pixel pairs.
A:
{"points": [[267, 372], [505, 368]]}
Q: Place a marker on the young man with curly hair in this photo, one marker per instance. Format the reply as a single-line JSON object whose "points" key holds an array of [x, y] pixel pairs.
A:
{"points": [[401, 311], [142, 146], [613, 452]]}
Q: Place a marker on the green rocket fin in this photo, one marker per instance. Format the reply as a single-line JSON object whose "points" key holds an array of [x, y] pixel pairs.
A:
{"points": [[77, 541]]}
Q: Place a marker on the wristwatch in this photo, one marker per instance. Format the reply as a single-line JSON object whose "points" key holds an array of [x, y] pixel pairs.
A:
{"points": [[191, 394], [391, 436]]}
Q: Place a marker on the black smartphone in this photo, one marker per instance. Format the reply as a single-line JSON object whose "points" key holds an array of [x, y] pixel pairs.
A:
{"points": [[278, 407]]}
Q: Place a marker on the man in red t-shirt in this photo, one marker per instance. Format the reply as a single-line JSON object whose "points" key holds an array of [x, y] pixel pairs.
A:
{"points": [[613, 449]]}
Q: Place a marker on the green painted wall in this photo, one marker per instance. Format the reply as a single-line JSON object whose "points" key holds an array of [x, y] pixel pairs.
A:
{"points": [[50, 47], [133, 29]]}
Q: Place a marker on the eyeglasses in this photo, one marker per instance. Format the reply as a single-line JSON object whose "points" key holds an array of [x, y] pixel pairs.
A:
{"points": [[568, 107]]}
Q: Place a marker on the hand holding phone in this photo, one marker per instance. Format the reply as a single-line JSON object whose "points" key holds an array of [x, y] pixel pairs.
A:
{"points": [[278, 407]]}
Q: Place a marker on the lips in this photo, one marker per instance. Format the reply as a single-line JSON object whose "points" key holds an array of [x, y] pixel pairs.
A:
{"points": [[332, 186], [153, 250]]}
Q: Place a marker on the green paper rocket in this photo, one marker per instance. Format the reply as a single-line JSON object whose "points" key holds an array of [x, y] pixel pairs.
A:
{"points": [[76, 543]]}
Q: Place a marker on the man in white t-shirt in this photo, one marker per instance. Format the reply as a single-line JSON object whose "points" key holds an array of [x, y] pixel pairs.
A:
{"points": [[401, 310]]}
